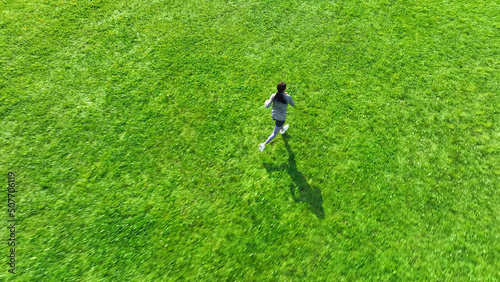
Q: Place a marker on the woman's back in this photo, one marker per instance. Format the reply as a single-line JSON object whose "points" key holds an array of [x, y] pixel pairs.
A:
{"points": [[279, 109]]}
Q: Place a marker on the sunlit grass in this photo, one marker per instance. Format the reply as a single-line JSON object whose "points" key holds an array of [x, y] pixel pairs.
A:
{"points": [[133, 129]]}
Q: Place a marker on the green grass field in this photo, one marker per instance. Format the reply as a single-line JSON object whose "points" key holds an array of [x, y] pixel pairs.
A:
{"points": [[133, 130]]}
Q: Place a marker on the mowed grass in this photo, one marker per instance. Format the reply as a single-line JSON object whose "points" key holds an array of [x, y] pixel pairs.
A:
{"points": [[133, 128]]}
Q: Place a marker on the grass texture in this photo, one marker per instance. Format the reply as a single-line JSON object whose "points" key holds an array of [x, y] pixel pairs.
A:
{"points": [[133, 128]]}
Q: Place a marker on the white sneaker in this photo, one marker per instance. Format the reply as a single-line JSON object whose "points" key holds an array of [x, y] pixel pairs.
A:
{"points": [[262, 146], [282, 131]]}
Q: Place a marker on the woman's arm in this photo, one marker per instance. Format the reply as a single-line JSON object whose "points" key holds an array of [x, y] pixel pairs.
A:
{"points": [[270, 101], [289, 99]]}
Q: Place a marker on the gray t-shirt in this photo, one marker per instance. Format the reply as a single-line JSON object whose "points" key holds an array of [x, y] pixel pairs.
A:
{"points": [[279, 109]]}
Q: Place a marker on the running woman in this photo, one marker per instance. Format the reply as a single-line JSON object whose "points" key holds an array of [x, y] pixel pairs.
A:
{"points": [[280, 101]]}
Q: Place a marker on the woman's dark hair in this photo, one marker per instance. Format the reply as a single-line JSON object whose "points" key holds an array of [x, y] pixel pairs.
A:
{"points": [[279, 96]]}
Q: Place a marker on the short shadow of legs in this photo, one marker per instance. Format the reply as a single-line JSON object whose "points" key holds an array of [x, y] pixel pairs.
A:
{"points": [[306, 194]]}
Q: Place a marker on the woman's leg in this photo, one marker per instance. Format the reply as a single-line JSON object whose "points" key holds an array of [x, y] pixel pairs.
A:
{"points": [[276, 130]]}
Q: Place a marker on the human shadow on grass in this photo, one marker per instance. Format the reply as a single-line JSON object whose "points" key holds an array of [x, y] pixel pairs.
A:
{"points": [[306, 194]]}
